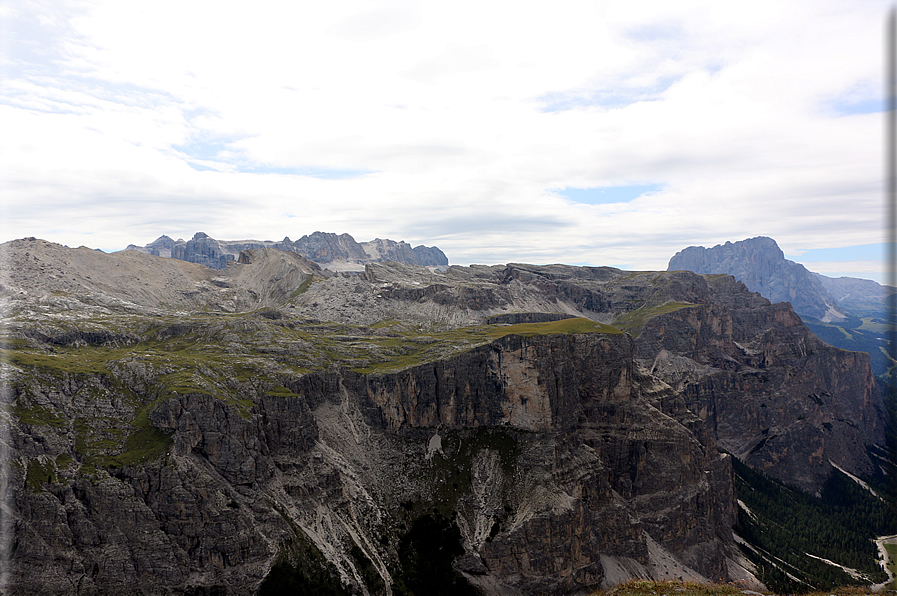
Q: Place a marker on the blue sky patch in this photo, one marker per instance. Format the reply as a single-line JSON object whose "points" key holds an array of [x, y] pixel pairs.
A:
{"points": [[864, 106], [860, 252], [561, 102], [617, 95], [608, 194], [850, 107], [205, 150]]}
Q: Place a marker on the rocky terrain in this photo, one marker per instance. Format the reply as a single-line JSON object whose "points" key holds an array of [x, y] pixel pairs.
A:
{"points": [[336, 252], [513, 429]]}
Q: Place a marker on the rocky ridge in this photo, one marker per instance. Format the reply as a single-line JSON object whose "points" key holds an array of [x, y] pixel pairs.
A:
{"points": [[561, 427], [336, 252]]}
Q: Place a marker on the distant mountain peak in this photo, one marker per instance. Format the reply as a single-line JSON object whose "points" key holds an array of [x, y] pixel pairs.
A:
{"points": [[761, 265]]}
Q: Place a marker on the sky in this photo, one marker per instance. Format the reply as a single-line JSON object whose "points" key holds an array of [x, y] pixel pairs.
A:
{"points": [[589, 133]]}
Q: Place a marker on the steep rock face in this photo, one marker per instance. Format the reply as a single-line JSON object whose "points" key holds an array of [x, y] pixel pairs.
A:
{"points": [[814, 395], [551, 454], [800, 402], [762, 266], [401, 252], [202, 250], [325, 247]]}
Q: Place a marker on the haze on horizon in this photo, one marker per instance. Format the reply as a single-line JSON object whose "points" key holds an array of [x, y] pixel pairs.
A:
{"points": [[596, 133]]}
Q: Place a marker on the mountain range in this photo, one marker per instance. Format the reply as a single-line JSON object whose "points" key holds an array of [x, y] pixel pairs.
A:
{"points": [[336, 252], [507, 429]]}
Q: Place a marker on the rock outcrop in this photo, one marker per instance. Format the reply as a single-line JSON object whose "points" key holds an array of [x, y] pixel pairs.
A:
{"points": [[402, 252], [516, 429]]}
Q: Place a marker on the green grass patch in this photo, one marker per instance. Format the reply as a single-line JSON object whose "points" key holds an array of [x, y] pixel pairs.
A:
{"points": [[634, 320], [37, 474], [38, 416], [81, 430], [566, 326], [412, 348], [183, 382], [144, 444], [118, 443], [91, 361], [13, 343], [876, 325], [303, 287], [386, 324]]}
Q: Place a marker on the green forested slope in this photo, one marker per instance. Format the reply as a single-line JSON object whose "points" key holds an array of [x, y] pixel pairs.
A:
{"points": [[784, 526]]}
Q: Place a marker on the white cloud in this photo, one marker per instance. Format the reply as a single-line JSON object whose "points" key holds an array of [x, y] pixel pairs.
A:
{"points": [[375, 24], [450, 122], [455, 59]]}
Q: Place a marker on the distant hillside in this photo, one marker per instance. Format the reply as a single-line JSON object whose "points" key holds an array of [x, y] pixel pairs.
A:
{"points": [[332, 251], [862, 297]]}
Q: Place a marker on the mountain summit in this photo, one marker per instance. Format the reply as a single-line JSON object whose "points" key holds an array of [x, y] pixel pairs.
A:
{"points": [[761, 265]]}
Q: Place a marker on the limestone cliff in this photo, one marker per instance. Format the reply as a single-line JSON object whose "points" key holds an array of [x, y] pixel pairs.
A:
{"points": [[559, 464]]}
